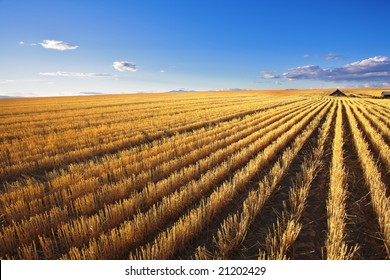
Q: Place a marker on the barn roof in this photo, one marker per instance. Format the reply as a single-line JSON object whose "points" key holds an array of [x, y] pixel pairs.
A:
{"points": [[337, 92], [386, 93]]}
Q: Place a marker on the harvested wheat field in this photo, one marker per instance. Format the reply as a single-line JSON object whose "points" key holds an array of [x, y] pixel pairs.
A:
{"points": [[201, 175]]}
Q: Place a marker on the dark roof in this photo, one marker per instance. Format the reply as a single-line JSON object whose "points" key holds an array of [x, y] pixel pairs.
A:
{"points": [[386, 94], [337, 92]]}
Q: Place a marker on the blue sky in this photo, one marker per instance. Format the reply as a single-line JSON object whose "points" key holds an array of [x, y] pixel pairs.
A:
{"points": [[60, 47]]}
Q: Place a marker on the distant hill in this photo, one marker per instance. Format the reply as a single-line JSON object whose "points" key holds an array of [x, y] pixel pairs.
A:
{"points": [[182, 90], [91, 92], [7, 96]]}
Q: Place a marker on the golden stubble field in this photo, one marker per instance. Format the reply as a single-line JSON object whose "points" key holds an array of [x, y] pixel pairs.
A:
{"points": [[202, 175]]}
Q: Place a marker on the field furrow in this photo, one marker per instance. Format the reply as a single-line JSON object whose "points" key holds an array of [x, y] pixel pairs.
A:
{"points": [[26, 229], [234, 228], [373, 178], [375, 138], [336, 247], [252, 174], [50, 153], [117, 199], [166, 244], [376, 122], [284, 232], [113, 168]]}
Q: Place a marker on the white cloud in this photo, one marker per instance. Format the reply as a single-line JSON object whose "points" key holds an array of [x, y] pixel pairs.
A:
{"points": [[303, 72], [373, 85], [306, 55], [332, 56], [372, 69], [375, 62], [21, 43], [57, 45], [75, 74], [124, 66], [6, 82], [269, 75]]}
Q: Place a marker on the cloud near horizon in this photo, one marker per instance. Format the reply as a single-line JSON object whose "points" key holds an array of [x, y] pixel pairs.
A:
{"points": [[123, 66], [2, 82], [332, 56], [270, 75], [57, 45], [374, 69], [75, 74]]}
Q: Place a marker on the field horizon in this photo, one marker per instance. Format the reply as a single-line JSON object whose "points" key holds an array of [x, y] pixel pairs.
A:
{"points": [[359, 92]]}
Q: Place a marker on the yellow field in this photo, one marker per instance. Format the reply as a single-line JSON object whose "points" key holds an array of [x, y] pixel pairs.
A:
{"points": [[203, 175]]}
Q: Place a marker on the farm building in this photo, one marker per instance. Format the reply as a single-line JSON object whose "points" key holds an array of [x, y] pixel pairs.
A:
{"points": [[386, 94], [338, 93]]}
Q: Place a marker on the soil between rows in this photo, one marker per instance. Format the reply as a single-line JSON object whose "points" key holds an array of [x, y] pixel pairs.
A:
{"points": [[250, 246], [362, 224]]}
